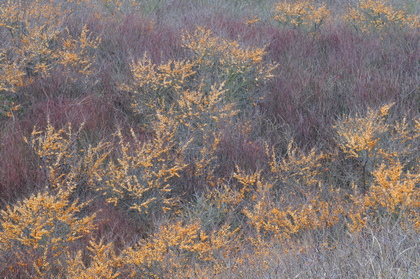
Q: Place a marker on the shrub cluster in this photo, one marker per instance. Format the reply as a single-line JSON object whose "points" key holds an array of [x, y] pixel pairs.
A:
{"points": [[228, 148]]}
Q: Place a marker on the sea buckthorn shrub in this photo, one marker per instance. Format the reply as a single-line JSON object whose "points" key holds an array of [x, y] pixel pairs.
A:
{"points": [[303, 15], [103, 262], [195, 158], [386, 155], [212, 62], [291, 198], [393, 196], [221, 61], [202, 92], [369, 15], [134, 174], [178, 250], [140, 177], [295, 168], [37, 45], [372, 140], [37, 232]]}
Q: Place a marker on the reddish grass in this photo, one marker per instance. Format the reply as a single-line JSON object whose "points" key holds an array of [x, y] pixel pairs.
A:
{"points": [[319, 79], [19, 170], [115, 225], [241, 150], [337, 73]]}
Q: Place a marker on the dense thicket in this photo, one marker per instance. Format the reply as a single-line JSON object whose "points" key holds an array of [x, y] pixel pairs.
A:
{"points": [[198, 139]]}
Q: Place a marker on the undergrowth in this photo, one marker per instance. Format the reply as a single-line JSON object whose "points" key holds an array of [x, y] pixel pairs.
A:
{"points": [[243, 140]]}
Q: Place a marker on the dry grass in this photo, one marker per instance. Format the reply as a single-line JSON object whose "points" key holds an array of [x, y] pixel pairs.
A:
{"points": [[209, 139]]}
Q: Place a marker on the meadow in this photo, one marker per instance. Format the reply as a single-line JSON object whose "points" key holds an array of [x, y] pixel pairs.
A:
{"points": [[209, 139]]}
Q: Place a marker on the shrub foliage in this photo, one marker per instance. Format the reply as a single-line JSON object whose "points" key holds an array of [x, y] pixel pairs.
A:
{"points": [[157, 130]]}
